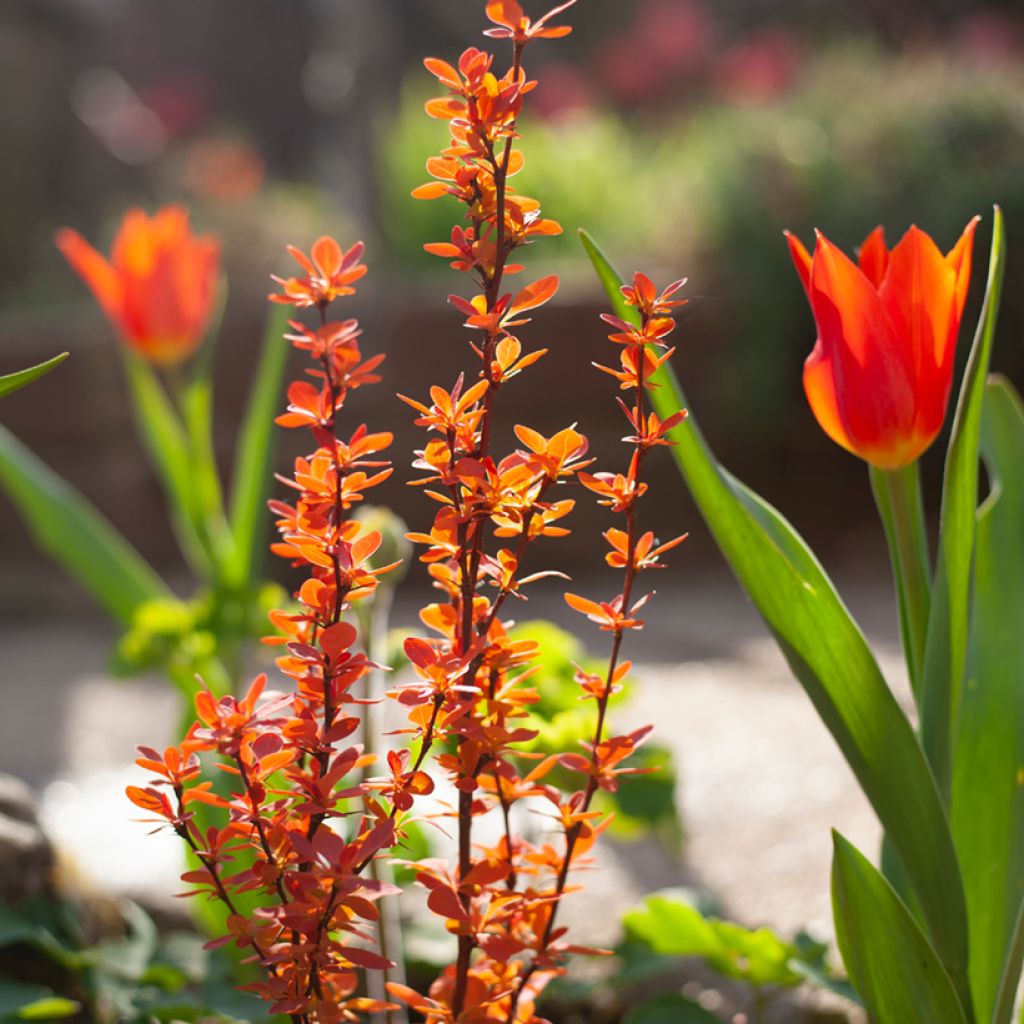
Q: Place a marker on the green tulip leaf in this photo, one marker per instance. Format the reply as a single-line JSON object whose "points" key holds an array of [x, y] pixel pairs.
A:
{"points": [[891, 963], [946, 644], [987, 807], [164, 436], [831, 658], [197, 412], [11, 382], [256, 447], [75, 535]]}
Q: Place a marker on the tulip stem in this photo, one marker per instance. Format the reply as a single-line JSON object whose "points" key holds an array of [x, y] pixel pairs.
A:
{"points": [[898, 497]]}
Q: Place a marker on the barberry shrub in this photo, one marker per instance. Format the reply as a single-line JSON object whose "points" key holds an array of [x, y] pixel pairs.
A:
{"points": [[308, 808]]}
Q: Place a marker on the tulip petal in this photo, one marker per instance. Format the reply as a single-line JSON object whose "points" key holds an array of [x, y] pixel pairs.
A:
{"points": [[801, 259], [869, 364], [820, 388], [959, 258], [919, 293], [873, 257], [95, 269]]}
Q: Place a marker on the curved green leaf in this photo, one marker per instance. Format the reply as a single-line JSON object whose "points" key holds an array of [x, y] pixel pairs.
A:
{"points": [[75, 535], [196, 402], [11, 382], [250, 485], [22, 1001], [889, 959], [829, 655], [946, 645], [164, 437], [987, 807]]}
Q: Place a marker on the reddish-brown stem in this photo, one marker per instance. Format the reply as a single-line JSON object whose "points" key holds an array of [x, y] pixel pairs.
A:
{"points": [[629, 577], [428, 742], [222, 893], [261, 831], [492, 293], [323, 756]]}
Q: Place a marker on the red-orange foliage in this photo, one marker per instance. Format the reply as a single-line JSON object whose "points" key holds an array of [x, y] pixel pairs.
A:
{"points": [[300, 802]]}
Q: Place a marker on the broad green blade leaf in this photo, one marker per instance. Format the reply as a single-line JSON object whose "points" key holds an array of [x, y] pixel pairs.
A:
{"points": [[890, 962], [74, 534], [987, 809], [11, 382], [669, 1008], [946, 647], [165, 439], [1009, 983], [829, 655], [250, 485]]}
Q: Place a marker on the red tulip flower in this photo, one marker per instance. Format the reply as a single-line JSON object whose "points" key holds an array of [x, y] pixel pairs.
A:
{"points": [[159, 285], [879, 376]]}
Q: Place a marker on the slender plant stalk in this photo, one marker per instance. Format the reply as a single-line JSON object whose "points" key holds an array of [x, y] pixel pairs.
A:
{"points": [[898, 497]]}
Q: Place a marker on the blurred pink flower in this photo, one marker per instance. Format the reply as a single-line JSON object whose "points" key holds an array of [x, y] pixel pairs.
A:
{"points": [[670, 41], [563, 90], [758, 69], [677, 35], [223, 169], [989, 37], [181, 100]]}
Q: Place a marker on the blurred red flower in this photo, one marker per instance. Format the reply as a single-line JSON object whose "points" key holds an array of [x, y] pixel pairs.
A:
{"points": [[159, 285]]}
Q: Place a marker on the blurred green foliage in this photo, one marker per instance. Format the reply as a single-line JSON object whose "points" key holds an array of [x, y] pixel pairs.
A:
{"points": [[131, 973], [643, 804], [672, 924]]}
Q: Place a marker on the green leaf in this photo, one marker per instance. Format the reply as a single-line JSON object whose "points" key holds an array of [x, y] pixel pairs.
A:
{"points": [[669, 1008], [164, 437], [21, 1001], [197, 407], [987, 808], [890, 961], [946, 646], [196, 402], [811, 963], [49, 1008], [250, 482], [11, 382], [829, 655], [14, 928], [646, 803], [75, 535], [673, 927]]}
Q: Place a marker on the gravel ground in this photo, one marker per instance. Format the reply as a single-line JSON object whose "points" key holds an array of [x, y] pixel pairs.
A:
{"points": [[761, 782]]}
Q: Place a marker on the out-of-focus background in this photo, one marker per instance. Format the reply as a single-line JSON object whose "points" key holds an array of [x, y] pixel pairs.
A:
{"points": [[685, 135]]}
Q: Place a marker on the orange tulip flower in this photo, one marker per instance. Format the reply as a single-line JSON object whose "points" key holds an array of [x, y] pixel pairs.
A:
{"points": [[159, 285], [879, 376]]}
